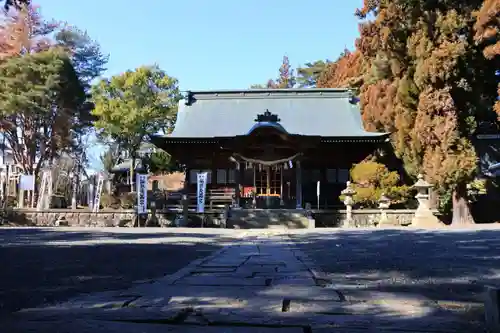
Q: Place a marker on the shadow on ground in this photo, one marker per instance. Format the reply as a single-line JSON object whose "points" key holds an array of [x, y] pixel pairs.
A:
{"points": [[43, 266], [441, 265], [448, 267]]}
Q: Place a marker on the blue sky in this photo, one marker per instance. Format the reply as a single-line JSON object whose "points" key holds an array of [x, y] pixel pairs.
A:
{"points": [[217, 44]]}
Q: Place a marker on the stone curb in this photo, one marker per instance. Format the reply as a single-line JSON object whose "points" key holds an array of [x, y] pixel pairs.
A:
{"points": [[316, 271], [172, 278]]}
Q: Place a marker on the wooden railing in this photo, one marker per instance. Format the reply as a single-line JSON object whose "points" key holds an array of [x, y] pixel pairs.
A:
{"points": [[215, 199]]}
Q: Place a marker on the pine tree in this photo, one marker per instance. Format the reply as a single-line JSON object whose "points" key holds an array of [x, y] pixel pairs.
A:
{"points": [[308, 75]]}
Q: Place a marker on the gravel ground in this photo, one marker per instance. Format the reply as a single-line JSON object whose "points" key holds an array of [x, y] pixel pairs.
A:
{"points": [[445, 266], [41, 266]]}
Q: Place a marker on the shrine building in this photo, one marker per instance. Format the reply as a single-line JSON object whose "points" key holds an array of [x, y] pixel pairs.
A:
{"points": [[269, 148]]}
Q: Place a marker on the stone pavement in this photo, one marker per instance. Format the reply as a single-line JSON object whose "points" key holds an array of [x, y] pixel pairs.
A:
{"points": [[262, 283]]}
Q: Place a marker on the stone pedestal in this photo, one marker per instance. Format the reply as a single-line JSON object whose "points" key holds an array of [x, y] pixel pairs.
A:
{"points": [[348, 192], [383, 204], [309, 215], [424, 218]]}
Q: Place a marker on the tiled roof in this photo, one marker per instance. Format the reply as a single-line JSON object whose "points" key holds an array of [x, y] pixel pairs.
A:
{"points": [[311, 112]]}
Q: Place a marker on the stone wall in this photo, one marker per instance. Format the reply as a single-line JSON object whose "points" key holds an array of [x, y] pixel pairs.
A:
{"points": [[364, 218], [104, 218], [127, 218], [68, 217]]}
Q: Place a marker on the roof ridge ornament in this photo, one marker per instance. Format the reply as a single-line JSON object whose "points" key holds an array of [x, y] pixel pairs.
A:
{"points": [[267, 117]]}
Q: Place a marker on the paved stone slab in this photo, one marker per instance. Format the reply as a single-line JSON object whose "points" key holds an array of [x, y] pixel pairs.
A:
{"points": [[301, 292], [293, 281], [221, 281], [265, 262], [219, 265], [285, 275], [256, 269], [234, 260], [213, 269], [241, 275], [296, 269]]}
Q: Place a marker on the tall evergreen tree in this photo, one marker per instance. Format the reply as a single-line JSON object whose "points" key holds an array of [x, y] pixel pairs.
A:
{"points": [[286, 78], [420, 76], [308, 75], [487, 36], [40, 107]]}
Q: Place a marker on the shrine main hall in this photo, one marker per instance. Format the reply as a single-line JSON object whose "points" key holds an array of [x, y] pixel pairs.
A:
{"points": [[271, 148]]}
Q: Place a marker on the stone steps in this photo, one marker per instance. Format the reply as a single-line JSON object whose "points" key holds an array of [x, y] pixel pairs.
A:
{"points": [[267, 218]]}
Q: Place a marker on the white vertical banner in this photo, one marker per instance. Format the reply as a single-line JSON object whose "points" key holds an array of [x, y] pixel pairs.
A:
{"points": [[142, 193], [98, 190], [41, 193], [318, 189], [200, 192]]}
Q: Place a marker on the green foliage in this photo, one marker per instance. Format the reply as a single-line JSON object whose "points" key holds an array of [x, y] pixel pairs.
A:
{"points": [[134, 104], [85, 53], [161, 162], [371, 180], [41, 99], [308, 75], [110, 201], [128, 200], [476, 188]]}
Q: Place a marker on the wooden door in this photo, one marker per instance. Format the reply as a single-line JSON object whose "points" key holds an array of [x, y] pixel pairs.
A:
{"points": [[268, 181]]}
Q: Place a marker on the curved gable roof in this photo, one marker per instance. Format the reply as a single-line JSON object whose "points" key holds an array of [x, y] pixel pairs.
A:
{"points": [[310, 112]]}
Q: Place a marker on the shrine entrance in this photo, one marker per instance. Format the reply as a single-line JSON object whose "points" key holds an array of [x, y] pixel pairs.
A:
{"points": [[268, 184], [268, 181]]}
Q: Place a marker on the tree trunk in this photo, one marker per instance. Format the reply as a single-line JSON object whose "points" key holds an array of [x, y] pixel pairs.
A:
{"points": [[461, 209], [132, 173], [74, 188]]}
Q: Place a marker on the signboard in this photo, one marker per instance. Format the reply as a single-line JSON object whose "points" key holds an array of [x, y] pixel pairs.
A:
{"points": [[27, 183], [98, 190], [142, 193], [200, 192]]}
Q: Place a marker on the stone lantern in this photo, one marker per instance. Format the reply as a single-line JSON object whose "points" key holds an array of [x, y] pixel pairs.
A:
{"points": [[348, 192], [423, 215], [383, 203]]}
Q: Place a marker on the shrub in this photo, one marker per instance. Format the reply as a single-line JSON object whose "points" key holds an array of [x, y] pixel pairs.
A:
{"points": [[128, 200], [110, 201], [371, 179], [11, 201]]}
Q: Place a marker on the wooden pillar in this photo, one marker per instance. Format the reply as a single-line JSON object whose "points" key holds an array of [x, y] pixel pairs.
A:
{"points": [[282, 201], [254, 196], [238, 176], [298, 178]]}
